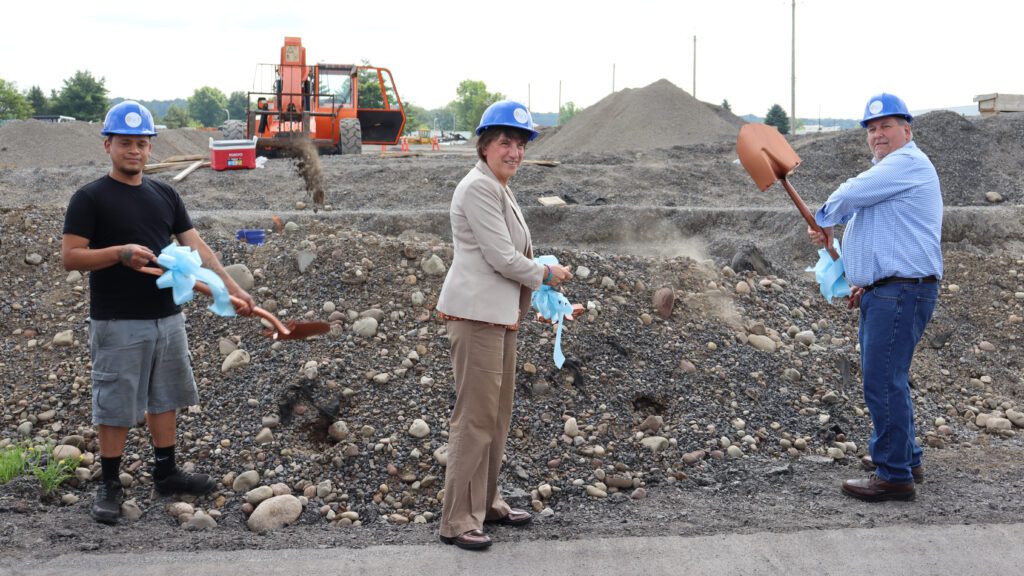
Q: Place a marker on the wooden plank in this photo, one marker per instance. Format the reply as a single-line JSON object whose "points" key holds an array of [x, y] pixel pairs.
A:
{"points": [[551, 201], [191, 168], [165, 165], [549, 163], [183, 158], [398, 154]]}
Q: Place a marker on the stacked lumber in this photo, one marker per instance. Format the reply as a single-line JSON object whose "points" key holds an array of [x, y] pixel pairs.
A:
{"points": [[187, 164]]}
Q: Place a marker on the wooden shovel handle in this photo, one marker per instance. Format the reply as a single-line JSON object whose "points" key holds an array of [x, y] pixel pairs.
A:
{"points": [[807, 215], [235, 301]]}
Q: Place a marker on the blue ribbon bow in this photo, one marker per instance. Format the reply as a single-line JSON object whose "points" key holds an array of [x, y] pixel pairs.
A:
{"points": [[831, 274], [183, 267], [552, 305]]}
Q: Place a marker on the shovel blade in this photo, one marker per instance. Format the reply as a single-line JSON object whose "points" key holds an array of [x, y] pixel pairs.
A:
{"points": [[765, 154], [298, 330]]}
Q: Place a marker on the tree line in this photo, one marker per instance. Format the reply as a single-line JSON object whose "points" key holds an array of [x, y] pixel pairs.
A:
{"points": [[84, 97]]}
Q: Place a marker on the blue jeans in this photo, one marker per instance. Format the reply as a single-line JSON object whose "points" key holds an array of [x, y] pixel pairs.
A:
{"points": [[892, 319]]}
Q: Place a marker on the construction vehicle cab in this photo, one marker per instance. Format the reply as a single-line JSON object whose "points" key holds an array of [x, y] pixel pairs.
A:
{"points": [[338, 107]]}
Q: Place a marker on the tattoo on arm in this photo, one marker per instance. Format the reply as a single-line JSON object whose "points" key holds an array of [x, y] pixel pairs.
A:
{"points": [[126, 256]]}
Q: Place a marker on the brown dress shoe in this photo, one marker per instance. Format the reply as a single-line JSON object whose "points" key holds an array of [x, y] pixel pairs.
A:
{"points": [[515, 517], [874, 489], [471, 540], [917, 471]]}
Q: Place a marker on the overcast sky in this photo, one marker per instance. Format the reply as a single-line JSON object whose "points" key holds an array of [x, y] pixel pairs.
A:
{"points": [[930, 53]]}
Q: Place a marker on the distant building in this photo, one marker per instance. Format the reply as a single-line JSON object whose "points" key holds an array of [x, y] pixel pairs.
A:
{"points": [[815, 129], [55, 118]]}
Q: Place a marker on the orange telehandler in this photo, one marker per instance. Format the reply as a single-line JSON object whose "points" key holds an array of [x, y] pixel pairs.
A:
{"points": [[338, 107]]}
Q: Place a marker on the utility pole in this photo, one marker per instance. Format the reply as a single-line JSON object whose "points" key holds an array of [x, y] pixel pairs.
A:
{"points": [[694, 65], [529, 104], [613, 78], [559, 102], [792, 87]]}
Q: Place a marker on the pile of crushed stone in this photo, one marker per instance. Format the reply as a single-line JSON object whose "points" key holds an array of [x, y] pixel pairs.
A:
{"points": [[972, 157], [660, 115], [35, 144], [714, 415]]}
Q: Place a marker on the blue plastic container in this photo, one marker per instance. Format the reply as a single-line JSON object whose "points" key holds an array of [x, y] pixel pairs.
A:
{"points": [[251, 236]]}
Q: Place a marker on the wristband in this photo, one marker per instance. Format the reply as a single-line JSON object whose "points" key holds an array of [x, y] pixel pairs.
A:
{"points": [[547, 274]]}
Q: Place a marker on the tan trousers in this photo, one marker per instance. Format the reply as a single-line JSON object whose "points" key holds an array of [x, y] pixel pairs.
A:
{"points": [[484, 360]]}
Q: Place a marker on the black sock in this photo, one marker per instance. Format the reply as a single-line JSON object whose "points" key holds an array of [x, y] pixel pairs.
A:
{"points": [[164, 465], [111, 469]]}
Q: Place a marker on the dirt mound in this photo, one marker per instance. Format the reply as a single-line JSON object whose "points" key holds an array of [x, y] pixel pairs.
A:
{"points": [[685, 407], [972, 157], [660, 115], [35, 144]]}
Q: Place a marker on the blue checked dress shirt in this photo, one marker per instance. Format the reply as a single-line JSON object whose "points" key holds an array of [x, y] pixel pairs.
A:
{"points": [[893, 217]]}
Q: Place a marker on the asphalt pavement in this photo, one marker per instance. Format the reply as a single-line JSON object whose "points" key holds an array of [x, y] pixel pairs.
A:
{"points": [[902, 550]]}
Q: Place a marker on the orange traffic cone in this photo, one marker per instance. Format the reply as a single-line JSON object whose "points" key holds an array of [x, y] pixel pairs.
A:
{"points": [[434, 144], [405, 144]]}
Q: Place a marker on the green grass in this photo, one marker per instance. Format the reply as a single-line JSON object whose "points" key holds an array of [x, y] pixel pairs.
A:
{"points": [[13, 463], [23, 460]]}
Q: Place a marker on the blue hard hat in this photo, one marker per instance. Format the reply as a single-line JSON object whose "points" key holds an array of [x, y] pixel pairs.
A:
{"points": [[507, 113], [129, 118], [885, 104]]}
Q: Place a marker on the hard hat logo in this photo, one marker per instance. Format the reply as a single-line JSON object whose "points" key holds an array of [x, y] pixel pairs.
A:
{"points": [[875, 107], [133, 119], [521, 115]]}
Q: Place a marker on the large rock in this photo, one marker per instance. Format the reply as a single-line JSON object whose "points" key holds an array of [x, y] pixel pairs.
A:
{"points": [[664, 300], [246, 481], [365, 327], [235, 359], [303, 259], [433, 266], [655, 443], [64, 338], [241, 274], [274, 513], [763, 343], [419, 428]]}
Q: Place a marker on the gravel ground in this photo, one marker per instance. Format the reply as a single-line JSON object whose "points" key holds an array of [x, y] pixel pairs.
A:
{"points": [[675, 425]]}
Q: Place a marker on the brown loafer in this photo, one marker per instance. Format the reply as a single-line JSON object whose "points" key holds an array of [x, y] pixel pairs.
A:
{"points": [[874, 489], [515, 517], [917, 471], [471, 540]]}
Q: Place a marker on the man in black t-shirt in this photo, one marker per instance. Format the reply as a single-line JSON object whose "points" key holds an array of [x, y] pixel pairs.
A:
{"points": [[140, 362]]}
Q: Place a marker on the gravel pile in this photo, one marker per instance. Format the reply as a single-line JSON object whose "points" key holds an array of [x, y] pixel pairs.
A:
{"points": [[972, 156], [35, 144], [742, 378], [659, 115], [738, 410]]}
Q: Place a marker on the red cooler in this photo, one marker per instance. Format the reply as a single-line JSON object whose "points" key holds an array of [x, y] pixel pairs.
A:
{"points": [[232, 154]]}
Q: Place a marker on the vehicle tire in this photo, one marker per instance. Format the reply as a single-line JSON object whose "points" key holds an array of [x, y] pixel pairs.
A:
{"points": [[350, 137], [232, 130]]}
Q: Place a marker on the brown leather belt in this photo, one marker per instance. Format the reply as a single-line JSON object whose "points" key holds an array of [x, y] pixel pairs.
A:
{"points": [[898, 280]]}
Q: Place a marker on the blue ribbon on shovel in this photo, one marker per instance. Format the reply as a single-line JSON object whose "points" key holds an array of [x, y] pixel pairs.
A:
{"points": [[182, 268], [553, 306], [831, 274]]}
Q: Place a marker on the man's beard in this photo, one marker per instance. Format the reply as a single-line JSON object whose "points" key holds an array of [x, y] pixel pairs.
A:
{"points": [[130, 170]]}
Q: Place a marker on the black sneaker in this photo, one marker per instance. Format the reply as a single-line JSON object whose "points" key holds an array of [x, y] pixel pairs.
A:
{"points": [[106, 507], [185, 483]]}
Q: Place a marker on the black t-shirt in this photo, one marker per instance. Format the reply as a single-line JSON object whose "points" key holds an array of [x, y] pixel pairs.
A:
{"points": [[109, 213]]}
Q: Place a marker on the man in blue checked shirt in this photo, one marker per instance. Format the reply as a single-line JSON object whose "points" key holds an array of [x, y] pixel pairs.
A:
{"points": [[893, 258]]}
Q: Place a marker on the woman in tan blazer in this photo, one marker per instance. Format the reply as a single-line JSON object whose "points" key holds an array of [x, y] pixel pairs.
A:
{"points": [[485, 295]]}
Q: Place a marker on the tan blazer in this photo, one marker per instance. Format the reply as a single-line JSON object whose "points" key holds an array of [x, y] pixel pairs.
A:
{"points": [[493, 272]]}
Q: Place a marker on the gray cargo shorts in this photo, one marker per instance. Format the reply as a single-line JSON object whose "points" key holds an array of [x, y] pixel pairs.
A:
{"points": [[139, 366]]}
